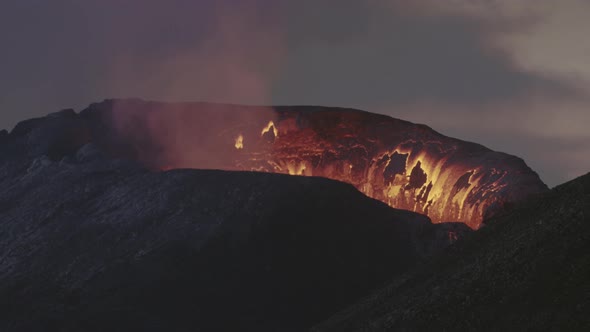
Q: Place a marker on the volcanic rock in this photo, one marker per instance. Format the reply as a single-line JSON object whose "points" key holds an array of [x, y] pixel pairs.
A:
{"points": [[405, 165], [90, 243], [527, 270]]}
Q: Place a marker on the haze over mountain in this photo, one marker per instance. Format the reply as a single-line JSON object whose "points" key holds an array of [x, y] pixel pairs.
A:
{"points": [[510, 74], [224, 215]]}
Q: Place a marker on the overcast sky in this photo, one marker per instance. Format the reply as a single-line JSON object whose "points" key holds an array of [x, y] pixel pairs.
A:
{"points": [[510, 74]]}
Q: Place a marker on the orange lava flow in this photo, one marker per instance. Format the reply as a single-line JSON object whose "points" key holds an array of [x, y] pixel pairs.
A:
{"points": [[403, 176], [270, 126], [404, 165]]}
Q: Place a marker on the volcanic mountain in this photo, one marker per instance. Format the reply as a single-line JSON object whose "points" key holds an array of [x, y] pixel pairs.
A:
{"points": [[96, 235], [404, 165], [92, 243]]}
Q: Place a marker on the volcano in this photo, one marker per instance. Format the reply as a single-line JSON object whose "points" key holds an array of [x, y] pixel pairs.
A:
{"points": [[92, 243], [408, 166], [97, 234]]}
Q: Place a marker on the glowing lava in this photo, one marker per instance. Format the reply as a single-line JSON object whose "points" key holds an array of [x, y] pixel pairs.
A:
{"points": [[437, 176], [239, 142], [405, 165], [267, 130]]}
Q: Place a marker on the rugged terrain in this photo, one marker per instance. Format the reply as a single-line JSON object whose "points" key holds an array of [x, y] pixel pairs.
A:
{"points": [[528, 270], [404, 165], [102, 229], [94, 243]]}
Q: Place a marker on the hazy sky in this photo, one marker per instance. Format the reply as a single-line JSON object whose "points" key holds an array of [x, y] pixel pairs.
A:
{"points": [[510, 74]]}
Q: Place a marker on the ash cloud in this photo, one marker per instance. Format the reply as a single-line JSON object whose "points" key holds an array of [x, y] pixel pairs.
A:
{"points": [[419, 60], [182, 135]]}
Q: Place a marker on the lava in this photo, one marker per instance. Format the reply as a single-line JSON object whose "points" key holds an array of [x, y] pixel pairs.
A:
{"points": [[404, 165], [267, 130], [239, 142], [424, 177]]}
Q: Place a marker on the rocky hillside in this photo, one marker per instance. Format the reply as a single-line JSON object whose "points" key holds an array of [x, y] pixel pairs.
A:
{"points": [[404, 165], [92, 243], [528, 270]]}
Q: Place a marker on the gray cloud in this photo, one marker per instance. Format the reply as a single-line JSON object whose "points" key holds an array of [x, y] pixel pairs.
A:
{"points": [[400, 56], [417, 60]]}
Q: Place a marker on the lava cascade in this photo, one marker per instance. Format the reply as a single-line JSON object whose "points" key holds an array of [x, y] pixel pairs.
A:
{"points": [[405, 165]]}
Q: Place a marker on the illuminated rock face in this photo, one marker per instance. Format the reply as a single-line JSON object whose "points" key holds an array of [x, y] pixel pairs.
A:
{"points": [[405, 165]]}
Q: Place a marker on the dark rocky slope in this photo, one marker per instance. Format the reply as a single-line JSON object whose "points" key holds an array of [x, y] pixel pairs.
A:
{"points": [[529, 270], [406, 165], [90, 243]]}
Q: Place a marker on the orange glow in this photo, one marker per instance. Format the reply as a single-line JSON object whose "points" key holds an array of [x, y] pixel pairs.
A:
{"points": [[268, 127], [239, 142], [295, 168], [424, 184], [404, 166]]}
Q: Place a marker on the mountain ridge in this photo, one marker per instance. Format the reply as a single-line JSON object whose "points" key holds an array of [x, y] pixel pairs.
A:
{"points": [[405, 165], [92, 243], [526, 270]]}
